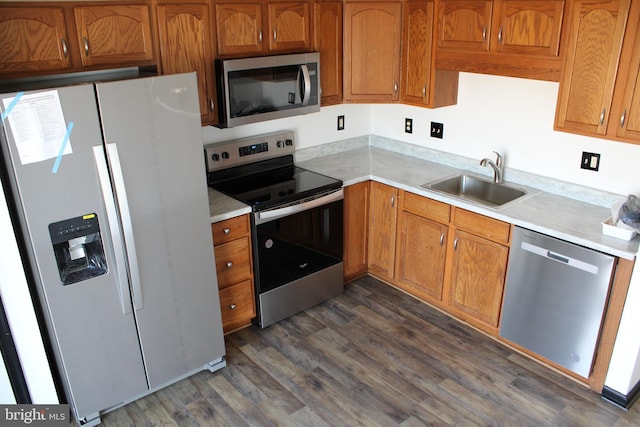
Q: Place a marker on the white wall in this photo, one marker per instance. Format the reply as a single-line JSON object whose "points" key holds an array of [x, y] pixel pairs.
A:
{"points": [[515, 117]]}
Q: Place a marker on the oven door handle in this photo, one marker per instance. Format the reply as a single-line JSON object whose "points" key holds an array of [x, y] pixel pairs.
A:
{"points": [[270, 215]]}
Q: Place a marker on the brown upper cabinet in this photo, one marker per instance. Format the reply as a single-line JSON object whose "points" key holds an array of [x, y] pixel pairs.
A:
{"points": [[327, 41], [33, 39], [372, 44], [39, 38], [600, 88], [186, 44], [519, 38], [114, 34], [245, 28], [421, 84]]}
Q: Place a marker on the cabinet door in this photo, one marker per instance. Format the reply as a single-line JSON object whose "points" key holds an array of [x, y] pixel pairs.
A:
{"points": [[239, 28], [465, 24], [372, 46], [477, 277], [328, 42], [593, 47], [289, 26], [529, 27], [185, 46], [118, 34], [382, 229], [417, 39], [356, 223], [627, 121], [420, 256], [33, 39]]}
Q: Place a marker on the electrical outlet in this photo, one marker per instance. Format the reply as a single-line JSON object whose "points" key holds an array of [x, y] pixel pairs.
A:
{"points": [[340, 122], [590, 161], [408, 125], [437, 129]]}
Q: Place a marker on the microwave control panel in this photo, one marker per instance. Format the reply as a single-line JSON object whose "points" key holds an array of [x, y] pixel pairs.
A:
{"points": [[223, 155]]}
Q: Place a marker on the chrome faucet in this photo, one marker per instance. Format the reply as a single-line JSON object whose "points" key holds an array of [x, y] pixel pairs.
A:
{"points": [[498, 167]]}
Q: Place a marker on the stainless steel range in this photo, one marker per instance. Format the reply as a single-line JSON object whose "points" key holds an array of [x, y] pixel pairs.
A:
{"points": [[297, 233]]}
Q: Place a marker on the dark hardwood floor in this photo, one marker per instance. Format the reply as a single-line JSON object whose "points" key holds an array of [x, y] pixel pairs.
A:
{"points": [[372, 357]]}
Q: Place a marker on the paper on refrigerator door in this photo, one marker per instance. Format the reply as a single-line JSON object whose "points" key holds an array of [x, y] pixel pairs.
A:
{"points": [[38, 126]]}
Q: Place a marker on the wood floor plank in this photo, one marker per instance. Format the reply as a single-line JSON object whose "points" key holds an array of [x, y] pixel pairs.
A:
{"points": [[373, 356]]}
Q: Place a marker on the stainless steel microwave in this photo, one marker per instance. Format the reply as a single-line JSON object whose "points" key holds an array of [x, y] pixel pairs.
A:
{"points": [[263, 88]]}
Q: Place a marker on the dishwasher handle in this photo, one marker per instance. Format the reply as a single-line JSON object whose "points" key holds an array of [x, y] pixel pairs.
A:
{"points": [[557, 257], [566, 260]]}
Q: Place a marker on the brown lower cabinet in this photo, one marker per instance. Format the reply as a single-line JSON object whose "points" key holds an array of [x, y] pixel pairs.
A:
{"points": [[232, 247], [449, 257]]}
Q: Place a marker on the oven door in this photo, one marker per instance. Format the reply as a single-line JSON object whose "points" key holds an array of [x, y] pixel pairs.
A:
{"points": [[297, 240]]}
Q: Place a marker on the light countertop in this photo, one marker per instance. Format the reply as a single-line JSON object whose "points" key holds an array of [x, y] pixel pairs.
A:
{"points": [[555, 215]]}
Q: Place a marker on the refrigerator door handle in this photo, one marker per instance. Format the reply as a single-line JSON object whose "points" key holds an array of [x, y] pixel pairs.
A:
{"points": [[114, 228], [127, 226]]}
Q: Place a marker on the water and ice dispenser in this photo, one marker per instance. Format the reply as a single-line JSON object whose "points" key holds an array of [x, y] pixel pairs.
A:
{"points": [[78, 248]]}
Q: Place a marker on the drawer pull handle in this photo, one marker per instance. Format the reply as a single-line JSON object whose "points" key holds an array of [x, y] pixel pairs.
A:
{"points": [[604, 110], [86, 46], [65, 49], [441, 239], [232, 306], [455, 244], [226, 231], [229, 264], [623, 118]]}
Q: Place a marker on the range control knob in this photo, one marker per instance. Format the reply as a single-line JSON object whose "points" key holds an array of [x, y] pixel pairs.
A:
{"points": [[215, 157], [225, 155], [289, 142], [280, 144]]}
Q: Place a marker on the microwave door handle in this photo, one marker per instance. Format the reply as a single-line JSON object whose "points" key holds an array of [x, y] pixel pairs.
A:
{"points": [[304, 84]]}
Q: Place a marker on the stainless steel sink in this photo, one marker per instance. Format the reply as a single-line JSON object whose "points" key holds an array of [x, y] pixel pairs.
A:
{"points": [[475, 189]]}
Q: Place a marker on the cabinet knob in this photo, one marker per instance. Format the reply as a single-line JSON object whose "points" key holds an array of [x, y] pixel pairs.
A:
{"points": [[441, 239], [424, 90], [232, 306], [226, 231], [212, 105], [623, 118], [455, 244], [395, 87], [229, 264], [86, 46], [65, 49], [259, 36], [275, 36], [500, 35], [484, 34]]}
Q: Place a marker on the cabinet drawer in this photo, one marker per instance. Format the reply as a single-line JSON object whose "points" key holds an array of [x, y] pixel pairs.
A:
{"points": [[230, 229], [482, 226], [426, 208], [233, 262], [237, 306]]}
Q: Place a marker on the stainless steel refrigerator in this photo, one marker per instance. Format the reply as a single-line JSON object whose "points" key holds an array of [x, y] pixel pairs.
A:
{"points": [[110, 193]]}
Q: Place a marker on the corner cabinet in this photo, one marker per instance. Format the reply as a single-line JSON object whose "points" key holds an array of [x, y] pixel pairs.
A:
{"points": [[600, 88], [261, 27], [519, 38], [356, 225], [372, 44], [232, 247], [186, 44], [383, 212]]}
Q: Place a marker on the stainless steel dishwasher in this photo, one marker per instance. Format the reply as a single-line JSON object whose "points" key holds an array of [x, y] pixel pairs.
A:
{"points": [[554, 298]]}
